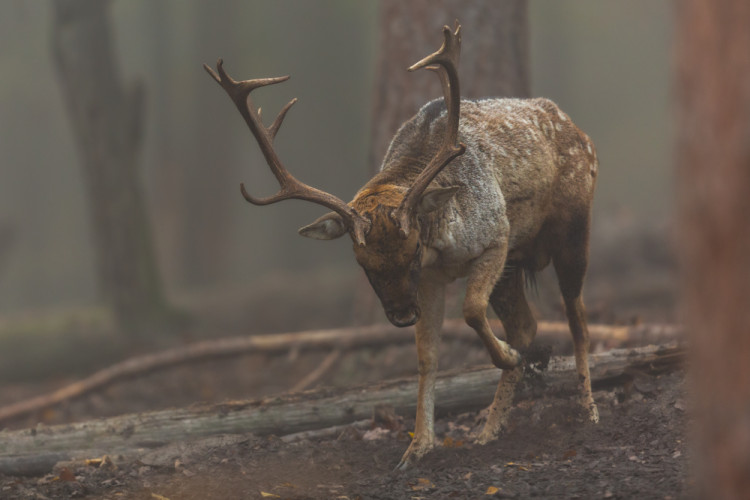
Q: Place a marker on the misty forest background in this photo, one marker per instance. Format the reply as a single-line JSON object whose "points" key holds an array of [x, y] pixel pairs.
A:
{"points": [[607, 64]]}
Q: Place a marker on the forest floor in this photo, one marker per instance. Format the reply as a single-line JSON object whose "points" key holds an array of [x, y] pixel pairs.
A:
{"points": [[637, 450]]}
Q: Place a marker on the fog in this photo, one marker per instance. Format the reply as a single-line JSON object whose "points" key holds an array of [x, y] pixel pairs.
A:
{"points": [[606, 63]]}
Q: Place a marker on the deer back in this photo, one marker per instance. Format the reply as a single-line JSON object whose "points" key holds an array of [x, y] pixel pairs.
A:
{"points": [[526, 164]]}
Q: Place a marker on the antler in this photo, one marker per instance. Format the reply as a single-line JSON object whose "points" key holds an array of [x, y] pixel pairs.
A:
{"points": [[290, 187], [445, 63]]}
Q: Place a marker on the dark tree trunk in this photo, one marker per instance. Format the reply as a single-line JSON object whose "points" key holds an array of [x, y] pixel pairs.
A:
{"points": [[713, 177], [494, 63], [494, 57], [107, 121]]}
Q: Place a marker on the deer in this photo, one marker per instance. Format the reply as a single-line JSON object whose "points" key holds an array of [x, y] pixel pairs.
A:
{"points": [[491, 190]]}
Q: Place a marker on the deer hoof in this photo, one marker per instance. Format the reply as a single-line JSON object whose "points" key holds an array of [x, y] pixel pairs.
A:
{"points": [[593, 413], [415, 451], [505, 357], [486, 436]]}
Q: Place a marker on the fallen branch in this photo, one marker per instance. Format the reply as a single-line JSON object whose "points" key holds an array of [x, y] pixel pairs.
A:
{"points": [[318, 372], [342, 339], [37, 450]]}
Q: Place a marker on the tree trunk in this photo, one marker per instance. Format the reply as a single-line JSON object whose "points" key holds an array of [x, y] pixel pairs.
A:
{"points": [[209, 168], [494, 63], [28, 452], [107, 121], [494, 57], [713, 180]]}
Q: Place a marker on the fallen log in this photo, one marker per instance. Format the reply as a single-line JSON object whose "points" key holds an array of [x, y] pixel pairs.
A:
{"points": [[342, 339], [36, 450]]}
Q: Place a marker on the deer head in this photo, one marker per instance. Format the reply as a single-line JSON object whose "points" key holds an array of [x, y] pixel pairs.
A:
{"points": [[382, 219]]}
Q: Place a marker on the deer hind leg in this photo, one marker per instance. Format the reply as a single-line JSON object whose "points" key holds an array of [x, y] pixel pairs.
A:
{"points": [[570, 260], [432, 305], [483, 276], [508, 300]]}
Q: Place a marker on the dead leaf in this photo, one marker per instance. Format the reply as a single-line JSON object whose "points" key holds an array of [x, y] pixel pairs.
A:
{"points": [[422, 484], [265, 494], [101, 462], [375, 434], [385, 416], [158, 497], [67, 475], [491, 490], [449, 442]]}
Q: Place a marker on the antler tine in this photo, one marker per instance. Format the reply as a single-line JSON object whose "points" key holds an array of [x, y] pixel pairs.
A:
{"points": [[280, 118], [449, 52], [445, 63], [290, 187]]}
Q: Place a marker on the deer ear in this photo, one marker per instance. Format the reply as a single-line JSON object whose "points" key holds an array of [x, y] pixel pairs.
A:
{"points": [[328, 227], [434, 198]]}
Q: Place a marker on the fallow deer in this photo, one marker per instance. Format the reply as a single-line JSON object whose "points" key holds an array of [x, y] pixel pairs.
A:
{"points": [[490, 190]]}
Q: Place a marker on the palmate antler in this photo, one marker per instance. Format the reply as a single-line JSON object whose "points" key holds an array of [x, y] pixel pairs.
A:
{"points": [[290, 187], [445, 63]]}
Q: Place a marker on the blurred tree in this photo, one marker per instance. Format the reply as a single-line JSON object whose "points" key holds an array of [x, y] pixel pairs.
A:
{"points": [[107, 120], [209, 187], [713, 181], [494, 63], [7, 242]]}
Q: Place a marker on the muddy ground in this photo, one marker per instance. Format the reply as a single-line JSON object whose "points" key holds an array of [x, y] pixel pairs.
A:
{"points": [[638, 450]]}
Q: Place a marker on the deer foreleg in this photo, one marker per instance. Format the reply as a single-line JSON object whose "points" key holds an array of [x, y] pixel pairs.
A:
{"points": [[497, 413], [509, 303], [432, 304], [485, 272]]}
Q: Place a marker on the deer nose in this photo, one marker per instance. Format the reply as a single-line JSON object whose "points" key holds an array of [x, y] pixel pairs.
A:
{"points": [[406, 317]]}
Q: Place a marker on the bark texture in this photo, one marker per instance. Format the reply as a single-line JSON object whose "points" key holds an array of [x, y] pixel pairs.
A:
{"points": [[107, 121], [713, 180]]}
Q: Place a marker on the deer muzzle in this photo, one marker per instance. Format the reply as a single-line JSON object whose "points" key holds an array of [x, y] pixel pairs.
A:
{"points": [[405, 317]]}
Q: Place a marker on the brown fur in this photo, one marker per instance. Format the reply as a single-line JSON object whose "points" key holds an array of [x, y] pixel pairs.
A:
{"points": [[526, 187], [518, 196]]}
